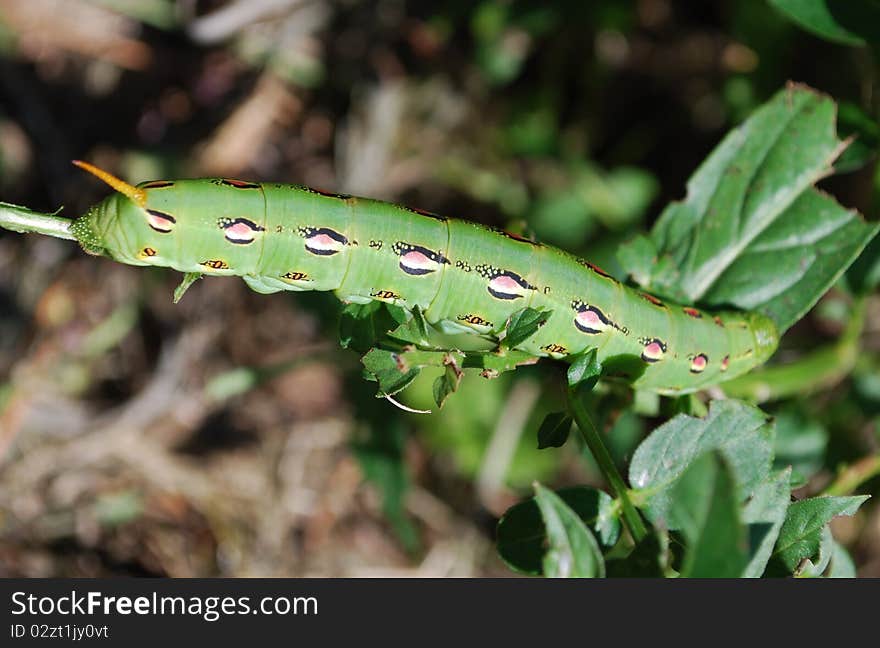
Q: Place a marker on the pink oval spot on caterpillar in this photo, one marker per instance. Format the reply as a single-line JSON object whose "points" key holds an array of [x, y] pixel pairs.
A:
{"points": [[507, 286], [653, 351], [725, 363], [240, 231], [160, 221], [417, 260], [591, 320], [699, 363], [324, 241]]}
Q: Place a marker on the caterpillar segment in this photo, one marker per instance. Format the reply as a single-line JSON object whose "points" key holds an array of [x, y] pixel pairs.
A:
{"points": [[464, 277]]}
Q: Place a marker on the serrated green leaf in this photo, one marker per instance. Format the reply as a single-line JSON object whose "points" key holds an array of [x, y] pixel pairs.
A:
{"points": [[521, 537], [850, 22], [554, 430], [705, 507], [742, 434], [764, 515], [801, 533], [573, 551], [753, 232], [522, 325], [388, 370]]}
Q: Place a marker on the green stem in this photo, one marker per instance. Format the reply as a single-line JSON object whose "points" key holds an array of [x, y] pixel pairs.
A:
{"points": [[854, 476], [23, 220], [591, 437], [816, 371]]}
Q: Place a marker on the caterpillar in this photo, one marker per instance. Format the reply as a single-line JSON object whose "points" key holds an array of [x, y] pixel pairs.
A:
{"points": [[464, 277]]}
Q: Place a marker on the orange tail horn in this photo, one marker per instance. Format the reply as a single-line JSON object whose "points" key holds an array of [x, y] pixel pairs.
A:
{"points": [[138, 196]]}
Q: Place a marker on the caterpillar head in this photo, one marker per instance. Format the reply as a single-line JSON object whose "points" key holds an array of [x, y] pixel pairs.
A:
{"points": [[766, 336], [94, 230]]}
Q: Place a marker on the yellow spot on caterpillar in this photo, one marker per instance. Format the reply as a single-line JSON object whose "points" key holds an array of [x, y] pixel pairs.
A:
{"points": [[554, 348], [215, 264], [295, 276], [384, 294], [147, 252]]}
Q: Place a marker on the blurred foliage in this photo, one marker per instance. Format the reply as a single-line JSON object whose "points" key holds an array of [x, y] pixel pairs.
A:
{"points": [[228, 436]]}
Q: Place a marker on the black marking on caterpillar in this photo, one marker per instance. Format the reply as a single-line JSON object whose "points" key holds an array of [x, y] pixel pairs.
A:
{"points": [[295, 276], [279, 229], [599, 271], [515, 237], [328, 194], [652, 299], [504, 284], [699, 363], [376, 245], [156, 184], [555, 348], [476, 320], [215, 264], [463, 265], [692, 312], [239, 184], [422, 212], [160, 221], [654, 349], [417, 260], [384, 294], [323, 241], [591, 320], [149, 252], [240, 231]]}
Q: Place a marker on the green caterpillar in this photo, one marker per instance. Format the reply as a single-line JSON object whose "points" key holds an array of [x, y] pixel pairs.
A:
{"points": [[463, 276]]}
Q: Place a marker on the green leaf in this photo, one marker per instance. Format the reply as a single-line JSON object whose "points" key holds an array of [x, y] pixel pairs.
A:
{"points": [[801, 533], [585, 370], [522, 325], [447, 384], [753, 232], [414, 330], [740, 432], [521, 537], [705, 503], [764, 515], [554, 430], [573, 551], [361, 326], [800, 443], [388, 369], [649, 559], [850, 22], [842, 565]]}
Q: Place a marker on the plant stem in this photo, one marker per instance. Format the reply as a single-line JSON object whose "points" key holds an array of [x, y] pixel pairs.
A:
{"points": [[854, 476], [816, 371], [591, 437], [23, 220]]}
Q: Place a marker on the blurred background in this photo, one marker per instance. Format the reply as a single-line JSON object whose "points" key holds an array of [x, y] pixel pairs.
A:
{"points": [[230, 435]]}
